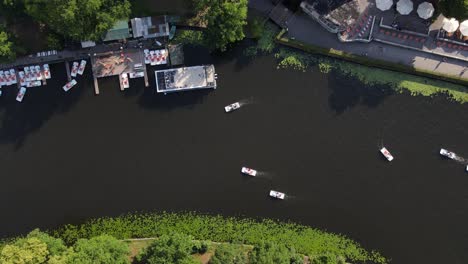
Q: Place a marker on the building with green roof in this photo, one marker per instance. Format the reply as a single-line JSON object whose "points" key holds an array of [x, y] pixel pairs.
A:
{"points": [[119, 31]]}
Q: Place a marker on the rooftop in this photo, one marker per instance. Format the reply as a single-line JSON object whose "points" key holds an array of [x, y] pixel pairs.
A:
{"points": [[120, 30], [115, 63], [185, 78], [150, 27]]}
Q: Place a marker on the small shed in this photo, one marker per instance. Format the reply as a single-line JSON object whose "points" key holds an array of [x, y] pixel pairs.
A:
{"points": [[120, 30]]}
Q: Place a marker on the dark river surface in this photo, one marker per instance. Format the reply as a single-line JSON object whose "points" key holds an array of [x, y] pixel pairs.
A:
{"points": [[67, 157]]}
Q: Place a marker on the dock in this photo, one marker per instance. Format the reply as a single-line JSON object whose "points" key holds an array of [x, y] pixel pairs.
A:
{"points": [[67, 68], [146, 75], [96, 86]]}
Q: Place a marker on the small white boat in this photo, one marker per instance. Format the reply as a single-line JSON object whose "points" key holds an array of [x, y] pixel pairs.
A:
{"points": [[22, 78], [13, 76], [20, 95], [7, 77], [37, 69], [152, 58], [249, 171], [1, 91], [232, 107], [32, 73], [27, 73], [2, 78], [277, 195], [147, 56], [74, 70], [136, 75], [448, 154], [386, 153], [125, 83], [69, 85], [46, 71], [33, 84], [82, 67]]}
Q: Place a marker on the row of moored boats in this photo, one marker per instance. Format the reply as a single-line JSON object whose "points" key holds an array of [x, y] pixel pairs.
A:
{"points": [[77, 68], [30, 76], [155, 57]]}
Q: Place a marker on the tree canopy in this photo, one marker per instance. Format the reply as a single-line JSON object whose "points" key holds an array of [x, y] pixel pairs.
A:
{"points": [[6, 47], [174, 249], [229, 254], [78, 19], [454, 8], [274, 253], [225, 21], [100, 250]]}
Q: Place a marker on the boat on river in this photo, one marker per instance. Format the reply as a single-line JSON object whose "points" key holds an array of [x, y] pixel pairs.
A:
{"points": [[448, 154], [124, 78], [27, 73], [147, 56], [69, 85], [277, 195], [82, 67], [33, 84], [46, 71], [22, 78], [7, 78], [249, 171], [20, 95], [74, 70], [232, 107], [38, 72], [13, 76], [386, 154]]}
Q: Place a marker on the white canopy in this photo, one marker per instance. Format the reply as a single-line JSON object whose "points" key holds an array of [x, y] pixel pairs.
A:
{"points": [[384, 4], [425, 10], [464, 28], [450, 25], [404, 7]]}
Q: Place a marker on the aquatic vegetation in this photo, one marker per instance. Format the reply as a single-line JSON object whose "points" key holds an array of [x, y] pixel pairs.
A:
{"points": [[188, 37], [305, 240]]}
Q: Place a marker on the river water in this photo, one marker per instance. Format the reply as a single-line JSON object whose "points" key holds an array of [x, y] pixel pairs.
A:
{"points": [[67, 157]]}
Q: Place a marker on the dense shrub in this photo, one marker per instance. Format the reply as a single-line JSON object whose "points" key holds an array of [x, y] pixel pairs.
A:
{"points": [[229, 254], [174, 249]]}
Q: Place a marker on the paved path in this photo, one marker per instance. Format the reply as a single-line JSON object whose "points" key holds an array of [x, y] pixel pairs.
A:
{"points": [[301, 27]]}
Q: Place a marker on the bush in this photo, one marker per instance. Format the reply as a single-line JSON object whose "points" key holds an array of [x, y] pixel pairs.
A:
{"points": [[200, 247], [174, 249], [256, 28], [229, 254], [103, 249]]}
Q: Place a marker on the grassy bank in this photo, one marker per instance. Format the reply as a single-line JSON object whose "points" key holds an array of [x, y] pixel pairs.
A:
{"points": [[399, 77], [305, 240]]}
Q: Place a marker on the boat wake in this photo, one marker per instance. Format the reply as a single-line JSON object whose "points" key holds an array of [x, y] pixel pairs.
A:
{"points": [[246, 101], [264, 175]]}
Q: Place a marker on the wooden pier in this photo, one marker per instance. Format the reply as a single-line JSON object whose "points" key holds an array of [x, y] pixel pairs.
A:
{"points": [[146, 75], [96, 86], [67, 68]]}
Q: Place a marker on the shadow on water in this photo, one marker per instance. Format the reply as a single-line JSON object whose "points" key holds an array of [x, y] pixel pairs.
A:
{"points": [[19, 120], [348, 92]]}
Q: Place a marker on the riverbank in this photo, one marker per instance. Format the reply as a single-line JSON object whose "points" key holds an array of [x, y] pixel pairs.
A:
{"points": [[306, 240]]}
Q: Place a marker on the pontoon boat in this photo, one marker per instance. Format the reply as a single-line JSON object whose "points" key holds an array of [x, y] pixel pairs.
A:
{"points": [[22, 78], [249, 171], [46, 71], [13, 76], [277, 195], [136, 75], [74, 70], [33, 84], [232, 107], [7, 77], [125, 83], [2, 78], [27, 73], [38, 72], [20, 95], [448, 154], [69, 85], [386, 153], [82, 67]]}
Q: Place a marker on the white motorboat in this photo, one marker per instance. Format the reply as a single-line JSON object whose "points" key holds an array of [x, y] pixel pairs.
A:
{"points": [[386, 153], [20, 95], [7, 77], [37, 69], [33, 84], [74, 70], [32, 73], [46, 71], [163, 56], [277, 195], [147, 56], [27, 73], [69, 85], [232, 107], [82, 67], [2, 78], [448, 154], [152, 58], [13, 76], [249, 171], [124, 78], [22, 78], [136, 75]]}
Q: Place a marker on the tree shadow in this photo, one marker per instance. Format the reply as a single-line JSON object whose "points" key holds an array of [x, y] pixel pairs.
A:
{"points": [[19, 120], [348, 92]]}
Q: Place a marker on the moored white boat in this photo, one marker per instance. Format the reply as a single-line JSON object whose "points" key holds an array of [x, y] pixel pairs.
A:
{"points": [[22, 78], [74, 69], [249, 171], [82, 67], [136, 75], [20, 95], [125, 83], [386, 154], [2, 78], [13, 76], [7, 78], [448, 154], [46, 71], [33, 84], [147, 56], [69, 85], [27, 74], [232, 107], [152, 58], [37, 69], [277, 195]]}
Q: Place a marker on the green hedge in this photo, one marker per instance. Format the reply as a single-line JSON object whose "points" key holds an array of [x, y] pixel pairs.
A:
{"points": [[305, 240]]}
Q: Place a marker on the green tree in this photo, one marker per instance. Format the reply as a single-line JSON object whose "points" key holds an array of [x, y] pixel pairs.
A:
{"points": [[6, 47], [173, 249], [99, 250], [229, 254], [225, 20], [79, 19], [454, 8], [273, 253]]}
